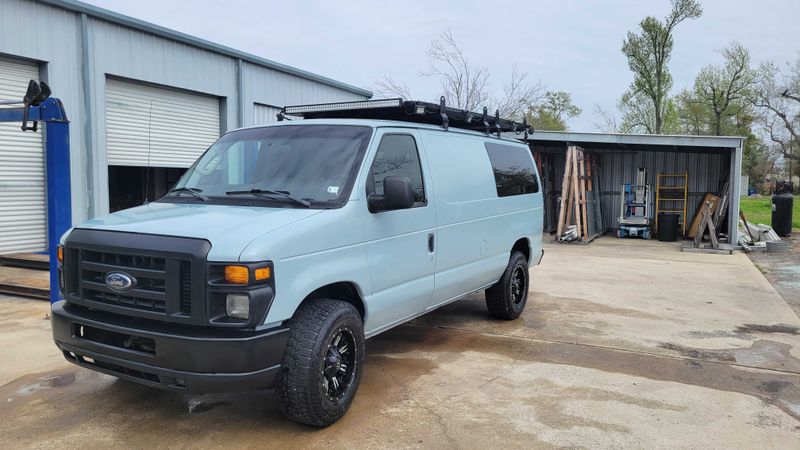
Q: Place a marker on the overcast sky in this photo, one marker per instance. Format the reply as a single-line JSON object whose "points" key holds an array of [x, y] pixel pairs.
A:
{"points": [[569, 45]]}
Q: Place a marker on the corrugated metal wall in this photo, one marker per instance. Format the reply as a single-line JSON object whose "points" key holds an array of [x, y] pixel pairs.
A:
{"points": [[706, 172], [119, 51]]}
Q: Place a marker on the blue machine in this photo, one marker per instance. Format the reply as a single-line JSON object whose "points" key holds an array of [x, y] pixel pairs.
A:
{"points": [[38, 106], [636, 201]]}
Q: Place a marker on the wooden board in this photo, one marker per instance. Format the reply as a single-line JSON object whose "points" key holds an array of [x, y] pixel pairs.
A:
{"points": [[714, 200]]}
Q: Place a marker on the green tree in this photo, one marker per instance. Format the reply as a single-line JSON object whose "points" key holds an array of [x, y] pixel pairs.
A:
{"points": [[646, 105], [718, 103], [553, 112]]}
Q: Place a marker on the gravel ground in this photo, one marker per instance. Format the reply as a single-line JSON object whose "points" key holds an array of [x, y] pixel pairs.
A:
{"points": [[783, 271]]}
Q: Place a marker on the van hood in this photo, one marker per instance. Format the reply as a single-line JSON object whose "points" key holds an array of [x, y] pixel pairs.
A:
{"points": [[228, 228]]}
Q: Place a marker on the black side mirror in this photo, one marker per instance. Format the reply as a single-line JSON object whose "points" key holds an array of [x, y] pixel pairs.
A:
{"points": [[398, 193]]}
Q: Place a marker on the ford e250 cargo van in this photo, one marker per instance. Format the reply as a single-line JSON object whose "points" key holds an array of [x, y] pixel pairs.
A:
{"points": [[285, 246]]}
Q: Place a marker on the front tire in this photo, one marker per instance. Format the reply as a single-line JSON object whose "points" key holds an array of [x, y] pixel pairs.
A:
{"points": [[507, 298], [322, 363]]}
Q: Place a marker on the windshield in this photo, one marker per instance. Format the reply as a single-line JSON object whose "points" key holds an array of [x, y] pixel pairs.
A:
{"points": [[313, 163]]}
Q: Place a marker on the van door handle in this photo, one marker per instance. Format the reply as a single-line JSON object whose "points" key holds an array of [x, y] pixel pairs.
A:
{"points": [[430, 243]]}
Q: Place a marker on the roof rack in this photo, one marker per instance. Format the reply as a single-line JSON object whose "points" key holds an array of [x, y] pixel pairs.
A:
{"points": [[410, 111]]}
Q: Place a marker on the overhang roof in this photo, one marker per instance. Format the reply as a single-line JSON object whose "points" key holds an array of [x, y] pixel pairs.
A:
{"points": [[147, 27], [637, 142]]}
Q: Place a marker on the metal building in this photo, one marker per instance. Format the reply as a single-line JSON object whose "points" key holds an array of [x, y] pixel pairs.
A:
{"points": [[707, 161], [142, 99]]}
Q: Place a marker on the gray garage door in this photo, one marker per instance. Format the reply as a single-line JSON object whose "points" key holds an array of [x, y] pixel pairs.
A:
{"points": [[176, 126], [23, 225]]}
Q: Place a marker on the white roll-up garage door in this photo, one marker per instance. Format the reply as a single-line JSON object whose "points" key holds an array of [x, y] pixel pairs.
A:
{"points": [[23, 223], [264, 114], [179, 126]]}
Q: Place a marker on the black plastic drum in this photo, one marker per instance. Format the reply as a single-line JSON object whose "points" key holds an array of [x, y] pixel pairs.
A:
{"points": [[668, 227], [782, 213]]}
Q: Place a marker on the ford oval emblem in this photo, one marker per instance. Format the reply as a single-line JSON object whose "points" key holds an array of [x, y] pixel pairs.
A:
{"points": [[119, 281]]}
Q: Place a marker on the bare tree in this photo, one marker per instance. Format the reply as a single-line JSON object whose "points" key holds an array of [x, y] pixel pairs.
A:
{"points": [[464, 84], [777, 95], [606, 120], [518, 96], [387, 87]]}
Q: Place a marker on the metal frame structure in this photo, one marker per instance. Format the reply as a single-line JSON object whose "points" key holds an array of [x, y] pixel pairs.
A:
{"points": [[57, 172], [411, 111]]}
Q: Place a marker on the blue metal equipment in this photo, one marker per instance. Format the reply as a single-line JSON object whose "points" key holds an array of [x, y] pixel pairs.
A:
{"points": [[37, 106], [636, 201]]}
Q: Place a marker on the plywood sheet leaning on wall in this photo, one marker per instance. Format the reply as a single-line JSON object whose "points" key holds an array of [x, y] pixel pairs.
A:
{"points": [[714, 201]]}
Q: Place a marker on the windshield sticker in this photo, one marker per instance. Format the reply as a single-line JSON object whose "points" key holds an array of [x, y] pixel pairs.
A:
{"points": [[333, 190]]}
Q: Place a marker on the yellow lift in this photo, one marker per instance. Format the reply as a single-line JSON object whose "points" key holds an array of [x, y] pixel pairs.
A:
{"points": [[671, 196]]}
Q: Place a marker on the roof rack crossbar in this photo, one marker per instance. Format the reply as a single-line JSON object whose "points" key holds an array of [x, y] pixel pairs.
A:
{"points": [[398, 109]]}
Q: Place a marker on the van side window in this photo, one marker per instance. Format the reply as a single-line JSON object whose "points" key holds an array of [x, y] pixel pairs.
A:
{"points": [[397, 156], [513, 170]]}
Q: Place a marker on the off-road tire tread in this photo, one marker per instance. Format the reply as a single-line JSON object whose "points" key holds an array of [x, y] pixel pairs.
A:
{"points": [[498, 300], [294, 385]]}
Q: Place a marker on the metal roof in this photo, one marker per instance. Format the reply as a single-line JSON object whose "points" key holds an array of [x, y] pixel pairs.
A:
{"points": [[656, 142], [147, 27]]}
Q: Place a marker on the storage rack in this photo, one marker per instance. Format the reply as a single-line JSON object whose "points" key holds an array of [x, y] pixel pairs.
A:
{"points": [[410, 111], [674, 195]]}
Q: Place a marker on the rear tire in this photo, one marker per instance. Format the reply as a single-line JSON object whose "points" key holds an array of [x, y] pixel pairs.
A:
{"points": [[507, 298], [322, 363]]}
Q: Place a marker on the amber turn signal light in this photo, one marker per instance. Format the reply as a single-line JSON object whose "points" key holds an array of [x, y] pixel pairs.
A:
{"points": [[60, 254], [237, 274], [263, 273]]}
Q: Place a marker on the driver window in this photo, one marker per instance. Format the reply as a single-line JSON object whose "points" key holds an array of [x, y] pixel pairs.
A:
{"points": [[397, 156]]}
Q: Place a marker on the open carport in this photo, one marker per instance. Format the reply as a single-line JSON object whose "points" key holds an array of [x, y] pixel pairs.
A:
{"points": [[660, 358]]}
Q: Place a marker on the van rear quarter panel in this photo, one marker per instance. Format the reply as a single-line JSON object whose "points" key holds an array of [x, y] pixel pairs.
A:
{"points": [[476, 229]]}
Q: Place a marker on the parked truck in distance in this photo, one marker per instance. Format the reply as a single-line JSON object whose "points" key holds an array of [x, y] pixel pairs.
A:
{"points": [[285, 246]]}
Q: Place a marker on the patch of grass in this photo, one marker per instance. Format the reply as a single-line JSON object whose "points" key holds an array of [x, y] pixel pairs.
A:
{"points": [[759, 210]]}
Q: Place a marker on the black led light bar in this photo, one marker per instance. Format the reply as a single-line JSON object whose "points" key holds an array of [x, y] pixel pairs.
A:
{"points": [[409, 111]]}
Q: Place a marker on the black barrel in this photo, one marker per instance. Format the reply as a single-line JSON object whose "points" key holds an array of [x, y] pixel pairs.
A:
{"points": [[782, 213], [668, 227]]}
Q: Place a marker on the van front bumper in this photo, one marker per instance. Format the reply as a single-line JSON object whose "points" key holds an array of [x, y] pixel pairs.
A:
{"points": [[174, 357]]}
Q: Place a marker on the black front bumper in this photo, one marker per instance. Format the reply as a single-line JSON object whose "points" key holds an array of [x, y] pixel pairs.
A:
{"points": [[175, 357]]}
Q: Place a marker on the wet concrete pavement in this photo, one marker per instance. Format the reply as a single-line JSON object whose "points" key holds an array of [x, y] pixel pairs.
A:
{"points": [[595, 361]]}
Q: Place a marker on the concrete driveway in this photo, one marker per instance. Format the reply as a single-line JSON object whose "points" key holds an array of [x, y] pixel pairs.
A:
{"points": [[623, 344]]}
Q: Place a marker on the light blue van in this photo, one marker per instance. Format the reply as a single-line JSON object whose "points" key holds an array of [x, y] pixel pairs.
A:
{"points": [[285, 246]]}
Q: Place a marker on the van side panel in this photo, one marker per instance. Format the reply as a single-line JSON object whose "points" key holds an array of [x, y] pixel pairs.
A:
{"points": [[310, 254], [475, 228]]}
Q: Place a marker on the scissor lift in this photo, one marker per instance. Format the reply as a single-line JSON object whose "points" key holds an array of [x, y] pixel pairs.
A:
{"points": [[37, 106]]}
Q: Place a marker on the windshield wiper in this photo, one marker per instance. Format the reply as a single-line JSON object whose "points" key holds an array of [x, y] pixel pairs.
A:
{"points": [[194, 191], [270, 192]]}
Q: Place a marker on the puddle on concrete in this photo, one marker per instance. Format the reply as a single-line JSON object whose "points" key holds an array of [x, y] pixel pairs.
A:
{"points": [[47, 382], [777, 328], [762, 353]]}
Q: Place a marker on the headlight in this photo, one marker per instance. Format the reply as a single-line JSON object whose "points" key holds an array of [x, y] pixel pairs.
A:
{"points": [[238, 306]]}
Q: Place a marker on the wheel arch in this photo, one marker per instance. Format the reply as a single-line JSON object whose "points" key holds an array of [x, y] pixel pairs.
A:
{"points": [[345, 291], [523, 245]]}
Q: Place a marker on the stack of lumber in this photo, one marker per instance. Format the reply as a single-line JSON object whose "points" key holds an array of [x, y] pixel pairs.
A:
{"points": [[575, 221]]}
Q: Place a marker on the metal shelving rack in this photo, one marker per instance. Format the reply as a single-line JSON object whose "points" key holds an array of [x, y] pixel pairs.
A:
{"points": [[671, 197]]}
